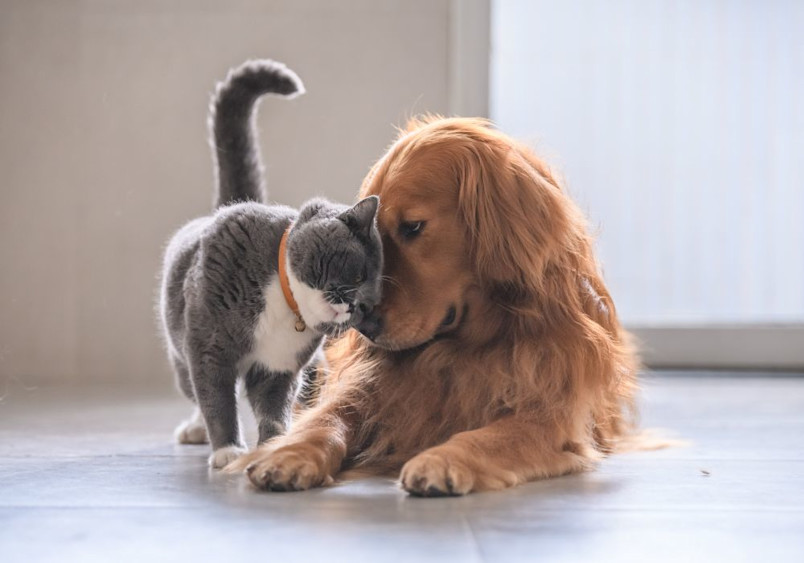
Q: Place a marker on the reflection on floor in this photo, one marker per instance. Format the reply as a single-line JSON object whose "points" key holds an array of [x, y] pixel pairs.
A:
{"points": [[92, 475]]}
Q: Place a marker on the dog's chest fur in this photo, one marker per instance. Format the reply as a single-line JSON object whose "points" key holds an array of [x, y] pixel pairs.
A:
{"points": [[276, 344]]}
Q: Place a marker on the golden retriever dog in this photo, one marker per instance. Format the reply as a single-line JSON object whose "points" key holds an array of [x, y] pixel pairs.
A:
{"points": [[496, 356]]}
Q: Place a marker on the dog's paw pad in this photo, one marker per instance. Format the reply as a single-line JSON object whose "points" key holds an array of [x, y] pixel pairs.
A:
{"points": [[433, 475], [288, 470]]}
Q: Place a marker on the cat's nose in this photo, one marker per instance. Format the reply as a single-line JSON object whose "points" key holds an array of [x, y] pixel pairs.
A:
{"points": [[362, 307], [370, 325]]}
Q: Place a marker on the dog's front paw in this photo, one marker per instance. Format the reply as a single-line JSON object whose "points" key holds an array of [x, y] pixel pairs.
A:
{"points": [[292, 468], [224, 456], [434, 474]]}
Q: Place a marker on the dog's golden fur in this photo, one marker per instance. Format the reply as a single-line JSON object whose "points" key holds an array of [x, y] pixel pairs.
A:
{"points": [[533, 378]]}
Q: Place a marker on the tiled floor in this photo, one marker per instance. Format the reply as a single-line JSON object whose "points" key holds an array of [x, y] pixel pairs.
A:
{"points": [[92, 475]]}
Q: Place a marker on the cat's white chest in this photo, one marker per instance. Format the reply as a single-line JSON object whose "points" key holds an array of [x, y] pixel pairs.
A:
{"points": [[277, 345]]}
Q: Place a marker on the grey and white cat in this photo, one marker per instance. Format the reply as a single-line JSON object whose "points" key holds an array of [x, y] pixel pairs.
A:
{"points": [[222, 305]]}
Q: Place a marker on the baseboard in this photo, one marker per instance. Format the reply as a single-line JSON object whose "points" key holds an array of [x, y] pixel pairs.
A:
{"points": [[762, 347]]}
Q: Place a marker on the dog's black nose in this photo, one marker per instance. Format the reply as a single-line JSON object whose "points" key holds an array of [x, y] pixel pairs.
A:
{"points": [[370, 326]]}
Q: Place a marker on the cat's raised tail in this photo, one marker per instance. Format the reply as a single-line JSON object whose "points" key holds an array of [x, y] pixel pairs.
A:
{"points": [[239, 171]]}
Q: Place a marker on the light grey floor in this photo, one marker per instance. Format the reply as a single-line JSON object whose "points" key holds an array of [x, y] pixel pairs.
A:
{"points": [[94, 476]]}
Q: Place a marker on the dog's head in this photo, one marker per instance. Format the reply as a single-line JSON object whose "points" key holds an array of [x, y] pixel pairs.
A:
{"points": [[468, 217]]}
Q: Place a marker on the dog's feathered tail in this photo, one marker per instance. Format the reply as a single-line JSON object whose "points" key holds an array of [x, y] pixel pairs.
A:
{"points": [[233, 134], [646, 440]]}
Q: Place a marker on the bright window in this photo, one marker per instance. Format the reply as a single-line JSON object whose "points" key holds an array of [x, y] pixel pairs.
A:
{"points": [[679, 127]]}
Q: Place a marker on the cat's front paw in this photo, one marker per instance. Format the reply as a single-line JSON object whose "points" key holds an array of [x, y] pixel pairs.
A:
{"points": [[224, 456]]}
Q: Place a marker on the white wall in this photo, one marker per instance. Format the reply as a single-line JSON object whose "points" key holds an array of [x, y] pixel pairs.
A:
{"points": [[103, 148], [679, 126]]}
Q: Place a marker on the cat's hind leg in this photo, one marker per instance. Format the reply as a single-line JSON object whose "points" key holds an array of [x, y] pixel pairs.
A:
{"points": [[193, 430], [183, 381], [271, 395]]}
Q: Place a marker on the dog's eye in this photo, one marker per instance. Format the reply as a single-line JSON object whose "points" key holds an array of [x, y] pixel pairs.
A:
{"points": [[411, 229]]}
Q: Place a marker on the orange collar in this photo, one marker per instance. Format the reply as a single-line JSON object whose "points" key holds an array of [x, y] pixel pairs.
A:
{"points": [[300, 326]]}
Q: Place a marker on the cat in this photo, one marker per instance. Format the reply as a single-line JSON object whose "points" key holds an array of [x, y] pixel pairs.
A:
{"points": [[250, 291]]}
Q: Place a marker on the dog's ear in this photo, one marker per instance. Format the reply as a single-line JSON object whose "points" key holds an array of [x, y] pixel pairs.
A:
{"points": [[517, 218]]}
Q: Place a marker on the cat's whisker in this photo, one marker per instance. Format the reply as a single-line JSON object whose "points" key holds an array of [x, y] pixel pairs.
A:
{"points": [[390, 280]]}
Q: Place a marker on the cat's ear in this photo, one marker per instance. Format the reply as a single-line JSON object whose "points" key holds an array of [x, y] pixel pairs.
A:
{"points": [[312, 208], [360, 217]]}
